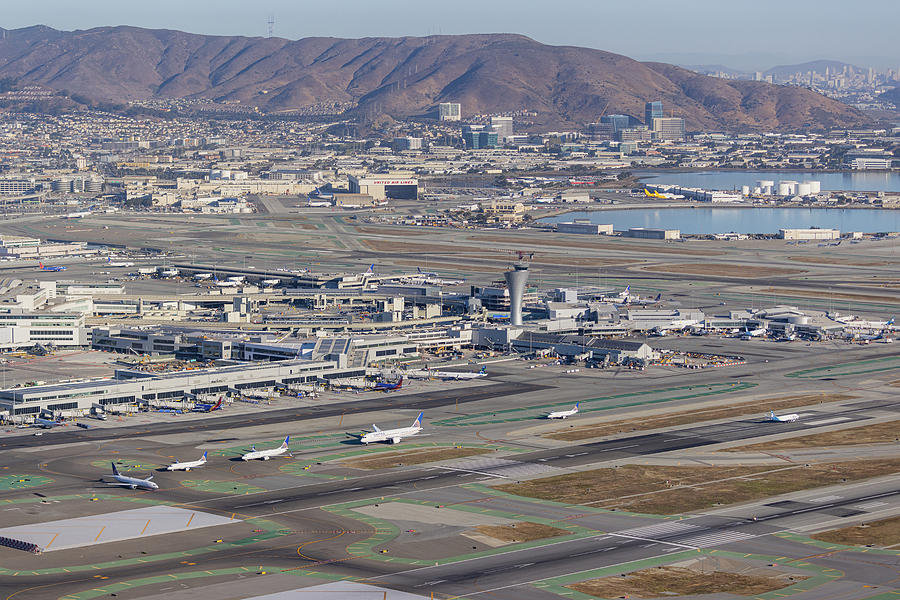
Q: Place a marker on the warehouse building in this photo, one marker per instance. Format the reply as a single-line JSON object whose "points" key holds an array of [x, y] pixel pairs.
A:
{"points": [[382, 187], [653, 234], [809, 234], [584, 227]]}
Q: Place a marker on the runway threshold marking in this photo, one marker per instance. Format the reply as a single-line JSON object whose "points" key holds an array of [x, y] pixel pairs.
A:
{"points": [[470, 471]]}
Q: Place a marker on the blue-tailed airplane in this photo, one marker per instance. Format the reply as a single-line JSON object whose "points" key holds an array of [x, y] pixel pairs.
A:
{"points": [[389, 387], [392, 435], [49, 267], [132, 482]]}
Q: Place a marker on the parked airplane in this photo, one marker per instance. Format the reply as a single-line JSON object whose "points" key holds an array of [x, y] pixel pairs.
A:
{"points": [[124, 263], [392, 435], [46, 423], [255, 454], [132, 482], [187, 466], [202, 407], [447, 375], [562, 414], [42, 267], [389, 387], [783, 418], [752, 333], [317, 193]]}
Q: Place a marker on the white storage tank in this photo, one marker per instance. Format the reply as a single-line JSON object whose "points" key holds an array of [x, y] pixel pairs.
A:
{"points": [[803, 189], [815, 187]]}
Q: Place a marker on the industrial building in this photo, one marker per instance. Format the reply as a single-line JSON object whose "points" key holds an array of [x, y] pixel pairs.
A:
{"points": [[809, 234], [653, 234], [382, 187], [585, 228]]}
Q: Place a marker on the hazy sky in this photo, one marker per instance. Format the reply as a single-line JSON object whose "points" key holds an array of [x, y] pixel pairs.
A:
{"points": [[741, 33]]}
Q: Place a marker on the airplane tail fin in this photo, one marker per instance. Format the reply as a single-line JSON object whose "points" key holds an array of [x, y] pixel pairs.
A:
{"points": [[418, 421], [483, 369], [576, 405], [217, 406], [203, 458], [115, 470], [375, 427], [399, 383], [287, 440], [371, 269], [40, 265]]}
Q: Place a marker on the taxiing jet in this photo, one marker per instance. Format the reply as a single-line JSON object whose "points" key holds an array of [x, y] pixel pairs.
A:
{"points": [[562, 414], [447, 375], [187, 466], [255, 454], [132, 482], [389, 387], [783, 418], [392, 435], [42, 267]]}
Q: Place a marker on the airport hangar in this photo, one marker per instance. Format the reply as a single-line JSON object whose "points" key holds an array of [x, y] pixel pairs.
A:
{"points": [[385, 186], [132, 387]]}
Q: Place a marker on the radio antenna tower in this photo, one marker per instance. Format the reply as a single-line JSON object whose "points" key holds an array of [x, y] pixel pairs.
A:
{"points": [[270, 26]]}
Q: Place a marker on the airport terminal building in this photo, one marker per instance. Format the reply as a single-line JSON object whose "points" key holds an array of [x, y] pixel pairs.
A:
{"points": [[131, 387]]}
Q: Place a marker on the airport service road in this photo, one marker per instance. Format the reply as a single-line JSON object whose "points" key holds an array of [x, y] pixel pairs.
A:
{"points": [[392, 401], [496, 576], [531, 463]]}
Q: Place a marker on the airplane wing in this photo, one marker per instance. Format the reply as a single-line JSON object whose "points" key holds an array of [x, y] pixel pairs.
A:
{"points": [[375, 427]]}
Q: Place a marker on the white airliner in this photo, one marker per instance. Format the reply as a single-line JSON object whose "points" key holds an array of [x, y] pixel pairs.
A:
{"points": [[132, 482], [562, 414], [187, 466], [394, 435], [446, 375], [783, 418], [255, 454]]}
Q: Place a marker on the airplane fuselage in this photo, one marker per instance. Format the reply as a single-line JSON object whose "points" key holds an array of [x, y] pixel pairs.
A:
{"points": [[392, 435]]}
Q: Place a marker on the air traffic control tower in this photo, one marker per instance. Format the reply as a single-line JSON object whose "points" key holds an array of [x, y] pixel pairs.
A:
{"points": [[515, 283]]}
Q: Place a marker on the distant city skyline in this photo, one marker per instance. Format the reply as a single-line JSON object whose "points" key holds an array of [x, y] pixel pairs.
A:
{"points": [[771, 33]]}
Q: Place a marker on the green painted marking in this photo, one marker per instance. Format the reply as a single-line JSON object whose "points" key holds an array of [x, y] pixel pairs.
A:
{"points": [[19, 482], [533, 412], [841, 370], [221, 487]]}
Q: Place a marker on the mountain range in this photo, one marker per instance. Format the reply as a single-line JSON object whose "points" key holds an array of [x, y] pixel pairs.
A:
{"points": [[400, 77]]}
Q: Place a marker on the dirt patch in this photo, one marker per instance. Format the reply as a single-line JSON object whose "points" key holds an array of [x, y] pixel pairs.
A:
{"points": [[880, 433], [723, 270], [878, 533], [830, 260], [619, 246], [895, 383], [695, 416], [395, 231], [835, 295], [389, 460], [416, 248], [671, 490], [677, 581], [523, 531]]}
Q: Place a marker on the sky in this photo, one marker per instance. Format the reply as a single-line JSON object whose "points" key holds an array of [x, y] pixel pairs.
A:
{"points": [[750, 35]]}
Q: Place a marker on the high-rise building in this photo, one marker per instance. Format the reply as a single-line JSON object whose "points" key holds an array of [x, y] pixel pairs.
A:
{"points": [[652, 110], [668, 128], [476, 137], [406, 143], [618, 122], [503, 127], [449, 111]]}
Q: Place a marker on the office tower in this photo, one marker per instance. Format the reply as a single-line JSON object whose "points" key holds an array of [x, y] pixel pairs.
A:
{"points": [[668, 128], [449, 111], [652, 110], [502, 126]]}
